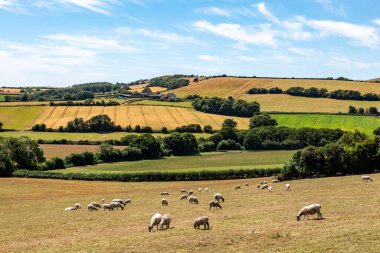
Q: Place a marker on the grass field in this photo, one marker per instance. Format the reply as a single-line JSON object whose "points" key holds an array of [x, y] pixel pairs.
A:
{"points": [[2, 98], [251, 220], [185, 104], [365, 124], [205, 161], [55, 150], [154, 116], [236, 87], [19, 117]]}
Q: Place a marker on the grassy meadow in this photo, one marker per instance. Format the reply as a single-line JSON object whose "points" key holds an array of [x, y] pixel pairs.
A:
{"points": [[256, 220], [204, 161], [19, 117]]}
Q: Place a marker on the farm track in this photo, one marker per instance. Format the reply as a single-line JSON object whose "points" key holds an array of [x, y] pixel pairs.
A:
{"points": [[88, 114], [196, 116], [158, 118], [172, 116], [76, 113], [114, 114], [143, 116], [62, 115], [50, 114], [180, 114]]}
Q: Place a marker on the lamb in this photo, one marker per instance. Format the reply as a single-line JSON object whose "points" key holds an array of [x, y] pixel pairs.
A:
{"points": [[270, 189], [237, 187], [154, 221], [287, 187], [164, 193], [128, 201], [97, 205], [265, 186], [91, 208], [310, 210], [199, 189], [73, 208], [206, 189], [164, 202], [203, 220], [218, 197], [183, 197], [193, 200], [119, 201], [116, 205], [107, 206], [165, 221], [214, 204], [366, 178]]}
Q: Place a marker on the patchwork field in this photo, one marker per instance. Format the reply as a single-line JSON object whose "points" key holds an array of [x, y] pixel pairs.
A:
{"points": [[256, 220], [19, 117], [55, 150], [154, 116], [365, 124], [204, 161]]}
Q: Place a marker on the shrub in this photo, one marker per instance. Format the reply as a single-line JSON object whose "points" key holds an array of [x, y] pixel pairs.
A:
{"points": [[228, 145], [208, 129], [181, 144], [55, 163], [262, 120], [192, 128]]}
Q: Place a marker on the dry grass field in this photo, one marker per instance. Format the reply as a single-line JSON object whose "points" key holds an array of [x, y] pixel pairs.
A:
{"points": [[252, 220], [140, 87], [56, 150], [154, 116]]}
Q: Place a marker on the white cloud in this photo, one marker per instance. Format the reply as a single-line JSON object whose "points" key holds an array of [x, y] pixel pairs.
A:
{"points": [[7, 4], [239, 33], [214, 11], [332, 6], [247, 58], [305, 52], [343, 62], [376, 21], [99, 6], [211, 58]]}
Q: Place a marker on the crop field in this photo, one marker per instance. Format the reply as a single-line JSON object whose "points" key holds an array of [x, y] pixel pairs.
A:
{"points": [[19, 117], [10, 90], [55, 150], [365, 124], [186, 104], [251, 220], [140, 87], [204, 161], [154, 116]]}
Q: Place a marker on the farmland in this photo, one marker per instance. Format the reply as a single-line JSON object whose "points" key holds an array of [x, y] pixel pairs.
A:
{"points": [[256, 220], [19, 117], [205, 161], [54, 150], [186, 104]]}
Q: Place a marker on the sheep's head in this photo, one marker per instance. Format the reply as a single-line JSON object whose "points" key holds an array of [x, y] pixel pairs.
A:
{"points": [[298, 217], [150, 228]]}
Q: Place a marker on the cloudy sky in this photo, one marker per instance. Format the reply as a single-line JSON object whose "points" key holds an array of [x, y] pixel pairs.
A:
{"points": [[62, 42]]}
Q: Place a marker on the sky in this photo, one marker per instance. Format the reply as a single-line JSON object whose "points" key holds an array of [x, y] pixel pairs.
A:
{"points": [[65, 42]]}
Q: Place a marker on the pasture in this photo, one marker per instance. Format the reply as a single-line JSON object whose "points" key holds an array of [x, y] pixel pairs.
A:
{"points": [[204, 161], [19, 117], [252, 220], [55, 150]]}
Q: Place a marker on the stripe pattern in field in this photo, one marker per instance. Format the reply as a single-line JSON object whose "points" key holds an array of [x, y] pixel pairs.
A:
{"points": [[154, 116]]}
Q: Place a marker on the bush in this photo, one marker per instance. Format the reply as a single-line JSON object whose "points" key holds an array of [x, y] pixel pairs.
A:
{"points": [[262, 120], [228, 145], [164, 130], [181, 144], [55, 163], [132, 154], [208, 129], [275, 90], [257, 91], [192, 128], [149, 146], [126, 140], [39, 128]]}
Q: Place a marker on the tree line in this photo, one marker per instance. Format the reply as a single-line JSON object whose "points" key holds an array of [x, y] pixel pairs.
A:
{"points": [[87, 102], [371, 110], [169, 82]]}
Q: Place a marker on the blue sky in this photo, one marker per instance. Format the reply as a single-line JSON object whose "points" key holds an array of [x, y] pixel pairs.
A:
{"points": [[62, 42]]}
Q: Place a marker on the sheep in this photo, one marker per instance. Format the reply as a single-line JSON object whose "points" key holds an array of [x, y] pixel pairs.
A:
{"points": [[119, 201], [103, 201], [128, 201], [91, 208], [218, 197], [117, 205], [164, 193], [107, 206], [193, 200], [214, 204], [237, 187], [183, 191], [78, 206], [183, 197], [261, 182], [164, 202], [366, 178], [265, 182], [73, 208], [270, 189], [265, 186], [191, 192], [199, 189], [165, 221], [154, 221], [97, 205], [258, 186], [206, 189], [310, 210], [275, 181], [287, 187], [246, 184], [203, 220]]}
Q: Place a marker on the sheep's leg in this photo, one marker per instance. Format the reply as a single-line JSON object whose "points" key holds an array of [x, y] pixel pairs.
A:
{"points": [[307, 216]]}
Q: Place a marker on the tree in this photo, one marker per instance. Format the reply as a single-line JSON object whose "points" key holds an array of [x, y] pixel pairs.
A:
{"points": [[6, 163], [207, 129], [1, 126], [261, 120], [229, 123], [352, 109], [181, 144], [164, 130], [150, 147], [376, 131], [373, 110], [228, 145]]}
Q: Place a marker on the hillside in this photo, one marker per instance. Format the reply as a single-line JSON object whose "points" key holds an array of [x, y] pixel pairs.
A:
{"points": [[374, 80]]}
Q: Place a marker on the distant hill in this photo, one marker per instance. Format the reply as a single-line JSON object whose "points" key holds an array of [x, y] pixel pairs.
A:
{"points": [[375, 80]]}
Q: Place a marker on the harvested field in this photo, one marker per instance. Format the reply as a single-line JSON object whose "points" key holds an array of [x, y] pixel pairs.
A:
{"points": [[57, 150]]}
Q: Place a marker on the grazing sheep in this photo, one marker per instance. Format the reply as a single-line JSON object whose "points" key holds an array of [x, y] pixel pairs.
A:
{"points": [[154, 221], [97, 205], [275, 181], [128, 201], [265, 182], [119, 201], [310, 210], [165, 221], [246, 184], [287, 187], [164, 193], [218, 197], [117, 205], [237, 187], [258, 186], [164, 202], [103, 201], [78, 206], [183, 191], [199, 189], [206, 189], [107, 207], [265, 186], [203, 220], [73, 208], [91, 208], [214, 204], [367, 178], [270, 189], [261, 182], [190, 192], [183, 197], [193, 200]]}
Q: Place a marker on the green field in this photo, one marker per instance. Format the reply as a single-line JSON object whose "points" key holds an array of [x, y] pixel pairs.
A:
{"points": [[205, 161], [19, 117], [2, 98], [186, 104], [365, 124]]}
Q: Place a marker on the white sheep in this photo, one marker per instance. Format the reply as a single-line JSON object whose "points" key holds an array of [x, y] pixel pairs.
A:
{"points": [[203, 220], [128, 201], [258, 186], [154, 221], [107, 207], [117, 205], [276, 181], [199, 189], [165, 221], [310, 210], [103, 201], [164, 202], [73, 208], [287, 187], [119, 201], [214, 204], [367, 178], [238, 187], [190, 192], [164, 193], [206, 189], [193, 200], [183, 197], [270, 189], [91, 208], [218, 197], [97, 205], [265, 186], [78, 206]]}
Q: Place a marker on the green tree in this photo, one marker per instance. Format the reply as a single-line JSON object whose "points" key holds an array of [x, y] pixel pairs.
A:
{"points": [[229, 123], [181, 144], [150, 147], [262, 120]]}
